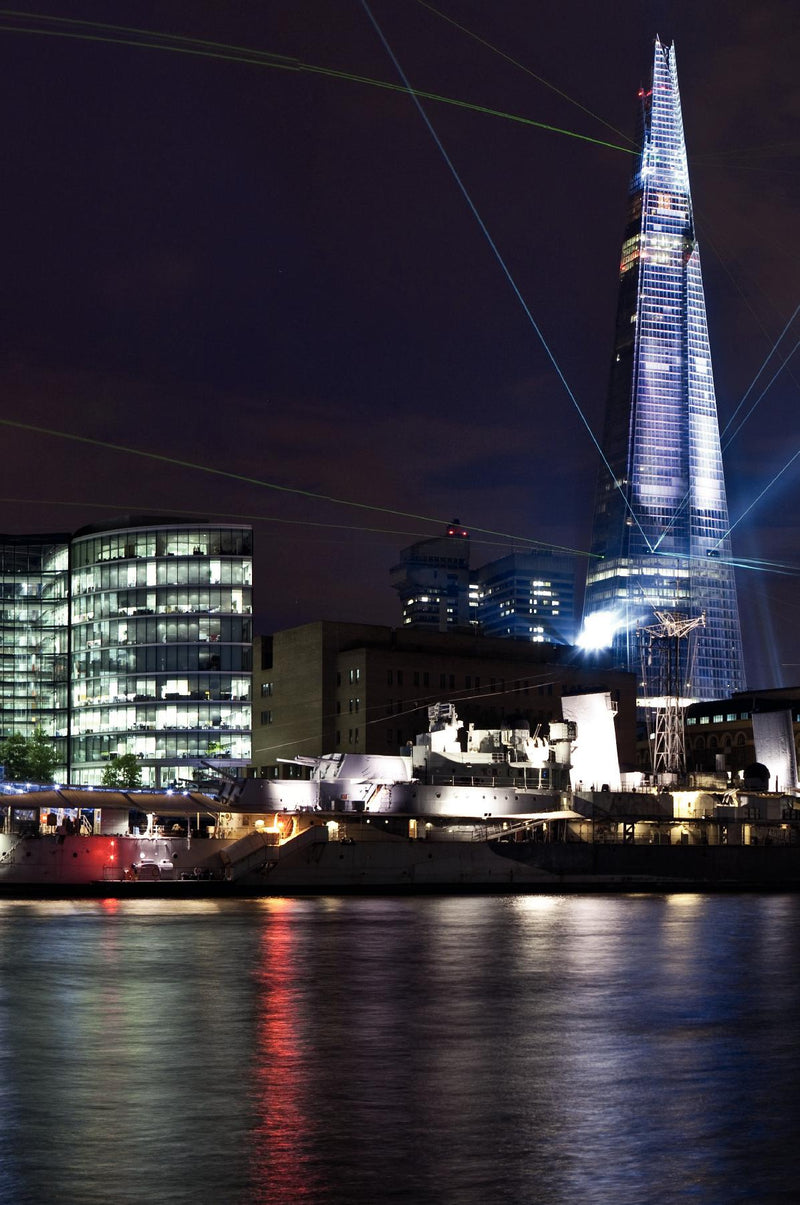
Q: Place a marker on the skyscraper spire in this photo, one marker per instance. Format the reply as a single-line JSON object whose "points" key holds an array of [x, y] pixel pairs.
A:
{"points": [[661, 521]]}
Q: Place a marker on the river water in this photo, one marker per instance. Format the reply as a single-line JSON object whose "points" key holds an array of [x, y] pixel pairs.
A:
{"points": [[621, 1049]]}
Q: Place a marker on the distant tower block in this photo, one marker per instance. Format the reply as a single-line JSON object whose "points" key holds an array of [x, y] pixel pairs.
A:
{"points": [[661, 514], [433, 581]]}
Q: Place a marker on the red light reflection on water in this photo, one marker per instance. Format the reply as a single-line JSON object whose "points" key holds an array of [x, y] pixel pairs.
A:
{"points": [[282, 1088]]}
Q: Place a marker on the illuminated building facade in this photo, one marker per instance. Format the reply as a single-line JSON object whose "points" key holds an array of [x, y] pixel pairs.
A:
{"points": [[528, 596], [34, 634], [661, 516], [134, 639], [524, 595], [161, 648]]}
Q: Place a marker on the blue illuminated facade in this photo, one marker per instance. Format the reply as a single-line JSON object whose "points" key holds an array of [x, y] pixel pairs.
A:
{"points": [[661, 516]]}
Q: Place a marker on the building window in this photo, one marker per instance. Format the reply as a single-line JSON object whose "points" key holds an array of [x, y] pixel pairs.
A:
{"points": [[355, 675], [266, 690], [266, 717], [389, 678]]}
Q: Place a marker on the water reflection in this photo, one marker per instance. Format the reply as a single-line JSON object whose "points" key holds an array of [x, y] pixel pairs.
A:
{"points": [[281, 1164], [634, 1049]]}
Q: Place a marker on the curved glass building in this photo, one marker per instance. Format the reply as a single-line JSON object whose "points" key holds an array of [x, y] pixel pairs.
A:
{"points": [[161, 649]]}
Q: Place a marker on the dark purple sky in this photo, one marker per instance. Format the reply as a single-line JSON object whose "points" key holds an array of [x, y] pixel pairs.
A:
{"points": [[272, 272]]}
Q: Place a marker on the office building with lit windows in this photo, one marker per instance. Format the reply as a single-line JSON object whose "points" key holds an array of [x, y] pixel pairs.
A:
{"points": [[661, 530], [133, 638], [524, 595], [433, 582], [34, 637], [528, 596]]}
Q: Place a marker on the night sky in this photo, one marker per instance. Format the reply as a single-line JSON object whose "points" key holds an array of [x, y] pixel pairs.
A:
{"points": [[271, 271]]}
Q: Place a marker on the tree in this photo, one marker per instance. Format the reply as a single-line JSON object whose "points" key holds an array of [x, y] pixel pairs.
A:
{"points": [[123, 773], [28, 758], [42, 758], [14, 757]]}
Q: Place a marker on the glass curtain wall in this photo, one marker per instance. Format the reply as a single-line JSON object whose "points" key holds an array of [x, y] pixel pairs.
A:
{"points": [[530, 596], [34, 634], [661, 516], [161, 650]]}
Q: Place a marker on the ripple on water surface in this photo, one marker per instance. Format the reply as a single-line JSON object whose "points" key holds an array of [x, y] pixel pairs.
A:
{"points": [[626, 1049]]}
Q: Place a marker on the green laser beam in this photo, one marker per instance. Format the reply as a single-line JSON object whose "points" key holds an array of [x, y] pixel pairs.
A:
{"points": [[516, 63], [270, 485], [150, 33], [139, 508], [199, 48]]}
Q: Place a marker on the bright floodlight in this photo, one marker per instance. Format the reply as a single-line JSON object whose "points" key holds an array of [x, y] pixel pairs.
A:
{"points": [[598, 630]]}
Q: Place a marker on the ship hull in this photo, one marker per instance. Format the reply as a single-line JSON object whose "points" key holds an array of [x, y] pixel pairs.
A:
{"points": [[80, 867]]}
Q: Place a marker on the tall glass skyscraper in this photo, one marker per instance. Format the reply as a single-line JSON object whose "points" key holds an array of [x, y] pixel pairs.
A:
{"points": [[661, 515]]}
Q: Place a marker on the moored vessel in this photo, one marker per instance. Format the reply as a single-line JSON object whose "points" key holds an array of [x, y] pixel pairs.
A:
{"points": [[461, 809]]}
